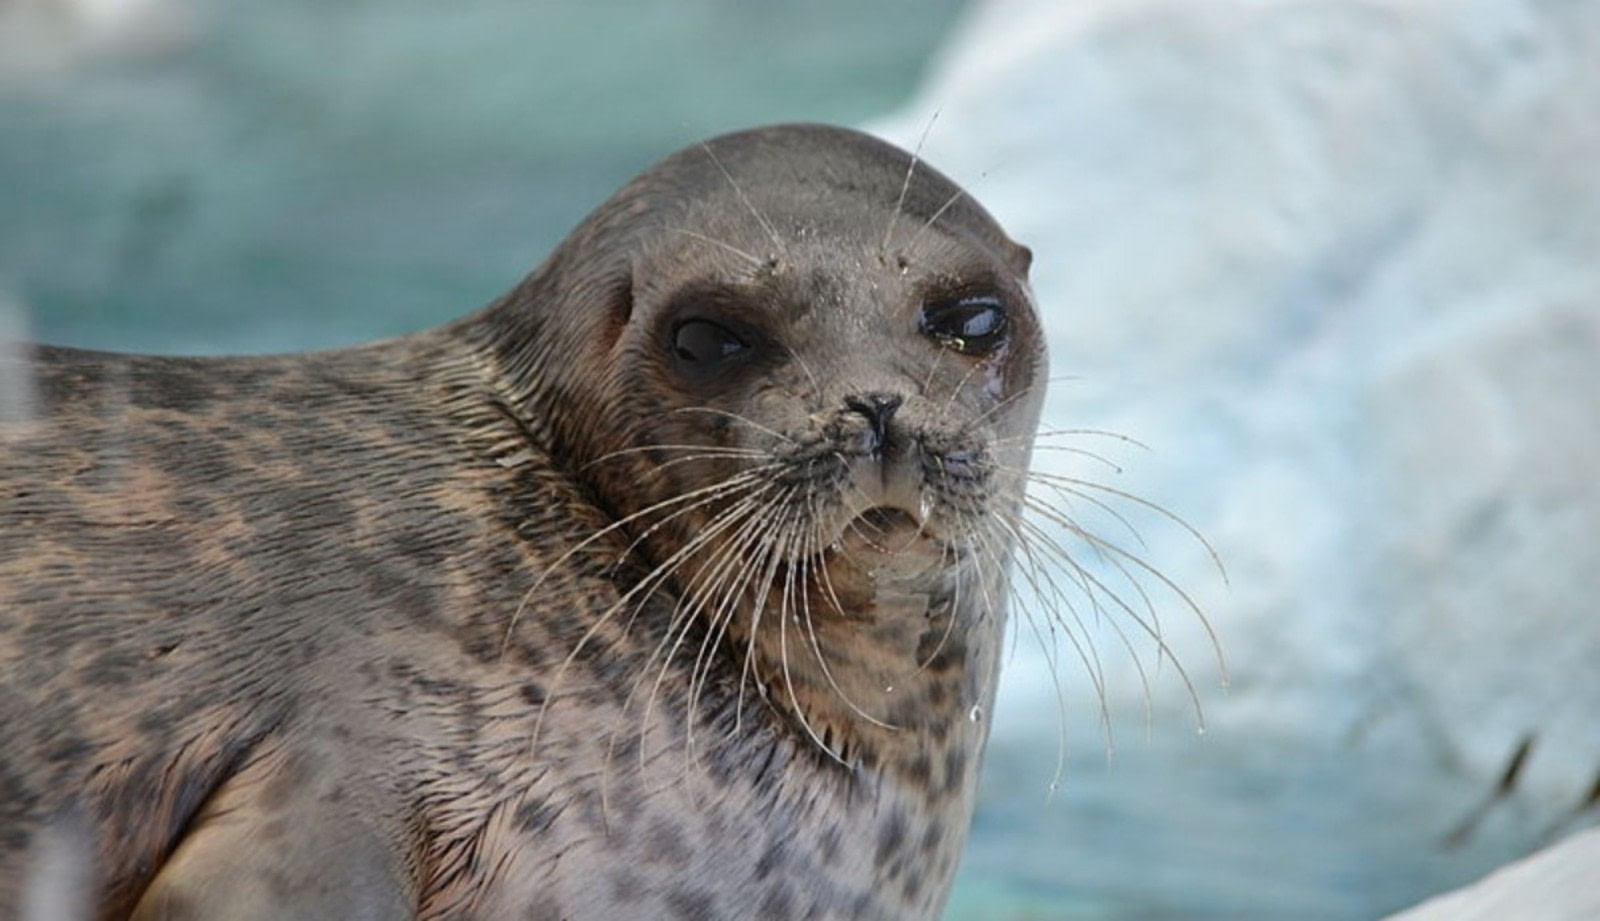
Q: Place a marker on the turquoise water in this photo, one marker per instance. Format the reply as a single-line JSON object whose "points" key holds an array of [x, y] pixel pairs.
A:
{"points": [[306, 173], [1225, 827]]}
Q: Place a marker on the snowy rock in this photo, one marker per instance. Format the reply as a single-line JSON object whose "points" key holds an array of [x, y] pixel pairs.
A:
{"points": [[1338, 264], [1557, 884]]}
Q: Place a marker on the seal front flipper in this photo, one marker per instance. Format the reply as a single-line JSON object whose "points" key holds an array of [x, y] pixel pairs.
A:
{"points": [[287, 837]]}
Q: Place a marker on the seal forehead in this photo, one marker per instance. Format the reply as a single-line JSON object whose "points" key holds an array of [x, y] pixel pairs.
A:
{"points": [[825, 180]]}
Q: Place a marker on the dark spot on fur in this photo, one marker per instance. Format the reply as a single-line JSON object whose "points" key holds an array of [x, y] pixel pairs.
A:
{"points": [[920, 771], [532, 693], [777, 903], [17, 802], [483, 647], [693, 905], [114, 667], [65, 748], [154, 722], [545, 908], [536, 816], [627, 886], [172, 384], [891, 838], [829, 845], [932, 838], [286, 782], [398, 590], [278, 883], [424, 539], [913, 882], [955, 771], [664, 844], [197, 458], [772, 858]]}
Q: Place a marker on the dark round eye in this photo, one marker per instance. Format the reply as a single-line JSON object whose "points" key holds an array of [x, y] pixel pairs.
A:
{"points": [[704, 343], [971, 325]]}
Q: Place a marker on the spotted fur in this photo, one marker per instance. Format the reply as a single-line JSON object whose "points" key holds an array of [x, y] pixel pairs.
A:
{"points": [[515, 618]]}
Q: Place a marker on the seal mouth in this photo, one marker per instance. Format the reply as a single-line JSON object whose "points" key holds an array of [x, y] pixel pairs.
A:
{"points": [[886, 528], [883, 549], [889, 539]]}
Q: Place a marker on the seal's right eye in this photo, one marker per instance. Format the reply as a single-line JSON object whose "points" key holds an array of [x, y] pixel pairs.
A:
{"points": [[972, 325], [704, 344]]}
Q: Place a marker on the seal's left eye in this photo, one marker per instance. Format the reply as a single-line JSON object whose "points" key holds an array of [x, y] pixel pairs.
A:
{"points": [[971, 325], [704, 343]]}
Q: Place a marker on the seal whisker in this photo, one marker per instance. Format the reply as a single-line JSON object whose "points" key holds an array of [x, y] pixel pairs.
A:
{"points": [[805, 368], [786, 612], [744, 199], [1041, 579], [687, 606], [1098, 433], [1067, 492], [736, 564], [690, 606], [933, 368], [1037, 538], [1216, 559], [1151, 630], [744, 420], [1119, 554], [984, 606], [905, 184], [960, 384], [766, 563], [1089, 658], [721, 244], [1085, 453], [811, 549], [1054, 599], [949, 202], [706, 452], [647, 583], [690, 501]]}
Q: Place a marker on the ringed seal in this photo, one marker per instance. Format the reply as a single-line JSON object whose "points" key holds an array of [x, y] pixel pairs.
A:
{"points": [[669, 585]]}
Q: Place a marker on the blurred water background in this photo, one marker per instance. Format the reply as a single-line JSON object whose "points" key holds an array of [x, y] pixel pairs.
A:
{"points": [[262, 175]]}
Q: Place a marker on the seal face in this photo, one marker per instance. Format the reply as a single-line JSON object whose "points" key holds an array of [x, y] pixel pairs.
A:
{"points": [[670, 585]]}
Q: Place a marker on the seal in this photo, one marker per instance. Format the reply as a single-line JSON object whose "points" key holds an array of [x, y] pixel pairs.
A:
{"points": [[669, 585]]}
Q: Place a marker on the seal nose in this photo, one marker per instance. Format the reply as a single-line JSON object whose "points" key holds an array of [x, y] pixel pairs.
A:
{"points": [[877, 408]]}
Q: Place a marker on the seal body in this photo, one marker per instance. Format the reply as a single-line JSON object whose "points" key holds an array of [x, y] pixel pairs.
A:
{"points": [[670, 585]]}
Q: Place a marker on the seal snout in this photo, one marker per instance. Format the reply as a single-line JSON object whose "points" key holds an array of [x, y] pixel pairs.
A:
{"points": [[877, 408]]}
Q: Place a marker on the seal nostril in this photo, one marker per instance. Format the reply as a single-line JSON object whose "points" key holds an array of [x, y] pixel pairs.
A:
{"points": [[878, 409]]}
